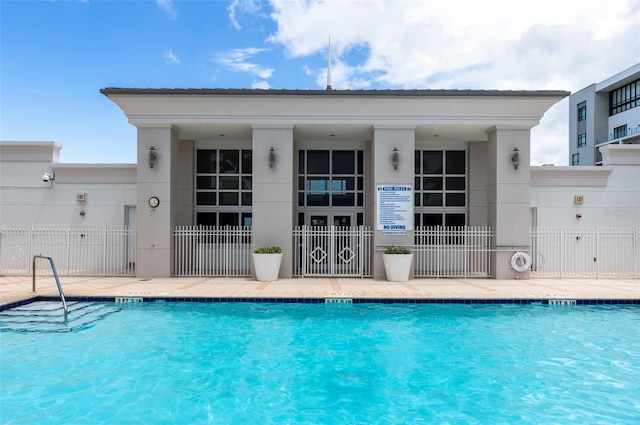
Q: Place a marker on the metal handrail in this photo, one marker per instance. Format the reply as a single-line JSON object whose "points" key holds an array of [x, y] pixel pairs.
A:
{"points": [[55, 274], [628, 132]]}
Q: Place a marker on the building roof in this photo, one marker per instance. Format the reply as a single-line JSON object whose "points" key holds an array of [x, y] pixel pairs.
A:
{"points": [[298, 92], [620, 79]]}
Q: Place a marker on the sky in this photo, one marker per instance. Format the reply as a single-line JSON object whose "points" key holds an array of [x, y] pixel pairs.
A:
{"points": [[56, 55]]}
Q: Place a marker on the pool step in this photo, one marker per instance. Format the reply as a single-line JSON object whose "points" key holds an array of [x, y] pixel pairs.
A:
{"points": [[48, 316]]}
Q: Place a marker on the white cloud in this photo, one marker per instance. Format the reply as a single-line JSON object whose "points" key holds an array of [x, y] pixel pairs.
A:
{"points": [[253, 7], [238, 60], [493, 44], [171, 58], [167, 6], [263, 85], [459, 43]]}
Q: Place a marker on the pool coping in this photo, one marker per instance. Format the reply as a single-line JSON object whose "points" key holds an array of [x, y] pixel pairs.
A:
{"points": [[15, 289], [326, 300]]}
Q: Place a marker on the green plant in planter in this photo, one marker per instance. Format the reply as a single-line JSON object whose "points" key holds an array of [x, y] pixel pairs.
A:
{"points": [[396, 250], [268, 250], [397, 263]]}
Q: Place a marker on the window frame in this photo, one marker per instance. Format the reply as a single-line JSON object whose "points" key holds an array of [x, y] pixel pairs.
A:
{"points": [[575, 159], [230, 190], [448, 189], [337, 187], [582, 112], [582, 140], [620, 131], [624, 98]]}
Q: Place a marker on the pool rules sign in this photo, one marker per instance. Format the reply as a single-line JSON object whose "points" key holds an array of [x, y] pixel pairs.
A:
{"points": [[395, 209]]}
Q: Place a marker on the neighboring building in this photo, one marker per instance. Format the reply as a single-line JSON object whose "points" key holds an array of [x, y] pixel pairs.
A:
{"points": [[602, 114]]}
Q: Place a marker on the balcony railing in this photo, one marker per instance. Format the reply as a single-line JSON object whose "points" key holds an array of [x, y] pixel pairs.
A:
{"points": [[617, 137]]}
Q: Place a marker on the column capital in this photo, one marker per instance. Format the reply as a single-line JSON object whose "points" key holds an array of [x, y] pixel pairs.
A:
{"points": [[272, 126], [375, 127]]}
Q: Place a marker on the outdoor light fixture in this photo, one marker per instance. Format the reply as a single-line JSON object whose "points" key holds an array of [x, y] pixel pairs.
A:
{"points": [[272, 157], [49, 176], [515, 158], [394, 158], [153, 156]]}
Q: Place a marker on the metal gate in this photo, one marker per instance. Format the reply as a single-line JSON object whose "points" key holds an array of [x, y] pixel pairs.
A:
{"points": [[332, 251]]}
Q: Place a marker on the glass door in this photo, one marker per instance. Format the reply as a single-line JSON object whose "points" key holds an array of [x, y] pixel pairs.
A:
{"points": [[318, 220], [342, 220]]}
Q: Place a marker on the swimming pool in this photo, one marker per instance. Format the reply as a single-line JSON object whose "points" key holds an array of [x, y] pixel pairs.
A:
{"points": [[257, 363]]}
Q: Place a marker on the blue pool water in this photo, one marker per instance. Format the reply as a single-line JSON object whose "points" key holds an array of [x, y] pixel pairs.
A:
{"points": [[253, 363]]}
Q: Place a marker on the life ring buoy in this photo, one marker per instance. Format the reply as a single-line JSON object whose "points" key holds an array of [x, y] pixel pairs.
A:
{"points": [[520, 262]]}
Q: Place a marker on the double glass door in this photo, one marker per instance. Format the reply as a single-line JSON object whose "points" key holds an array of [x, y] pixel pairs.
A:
{"points": [[330, 246], [330, 201]]}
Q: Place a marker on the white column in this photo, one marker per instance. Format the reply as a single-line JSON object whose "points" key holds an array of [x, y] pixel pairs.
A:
{"points": [[508, 198], [273, 191], [385, 140], [155, 225]]}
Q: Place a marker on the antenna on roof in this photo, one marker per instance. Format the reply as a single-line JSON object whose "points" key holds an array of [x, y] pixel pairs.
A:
{"points": [[329, 67]]}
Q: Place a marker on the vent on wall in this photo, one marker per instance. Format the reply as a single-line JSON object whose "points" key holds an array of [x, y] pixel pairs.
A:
{"points": [[81, 197]]}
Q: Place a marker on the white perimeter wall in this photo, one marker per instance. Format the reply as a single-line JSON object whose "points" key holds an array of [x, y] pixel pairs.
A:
{"points": [[25, 199], [611, 193]]}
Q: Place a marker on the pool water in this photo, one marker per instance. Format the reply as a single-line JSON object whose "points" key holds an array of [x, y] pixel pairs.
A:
{"points": [[256, 363]]}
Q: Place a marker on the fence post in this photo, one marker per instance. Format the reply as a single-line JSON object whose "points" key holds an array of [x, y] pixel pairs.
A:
{"points": [[227, 249], [194, 246], [636, 252], [561, 252], [104, 250], [597, 253], [466, 247], [304, 250], [361, 251], [31, 245]]}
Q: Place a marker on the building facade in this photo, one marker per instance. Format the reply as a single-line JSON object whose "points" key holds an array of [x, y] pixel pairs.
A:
{"points": [[275, 159], [84, 216], [604, 113]]}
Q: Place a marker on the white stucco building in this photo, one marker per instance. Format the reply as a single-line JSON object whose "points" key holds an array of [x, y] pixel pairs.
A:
{"points": [[277, 159], [331, 150]]}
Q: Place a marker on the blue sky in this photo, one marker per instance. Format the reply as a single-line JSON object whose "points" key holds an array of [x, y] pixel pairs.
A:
{"points": [[57, 55]]}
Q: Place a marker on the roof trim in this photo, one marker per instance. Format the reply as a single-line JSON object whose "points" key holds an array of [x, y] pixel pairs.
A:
{"points": [[297, 92]]}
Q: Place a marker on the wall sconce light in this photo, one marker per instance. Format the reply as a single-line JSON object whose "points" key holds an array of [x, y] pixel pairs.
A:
{"points": [[153, 156], [515, 158], [395, 155], [272, 157]]}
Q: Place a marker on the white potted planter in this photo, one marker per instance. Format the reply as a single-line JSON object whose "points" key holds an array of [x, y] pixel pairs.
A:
{"points": [[266, 263], [397, 263]]}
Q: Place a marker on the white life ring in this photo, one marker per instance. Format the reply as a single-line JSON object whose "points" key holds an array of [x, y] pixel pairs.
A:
{"points": [[520, 262]]}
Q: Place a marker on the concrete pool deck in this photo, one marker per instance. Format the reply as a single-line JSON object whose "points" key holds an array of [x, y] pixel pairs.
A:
{"points": [[19, 288]]}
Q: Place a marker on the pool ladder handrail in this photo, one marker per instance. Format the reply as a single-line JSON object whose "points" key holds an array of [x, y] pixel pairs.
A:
{"points": [[55, 274]]}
